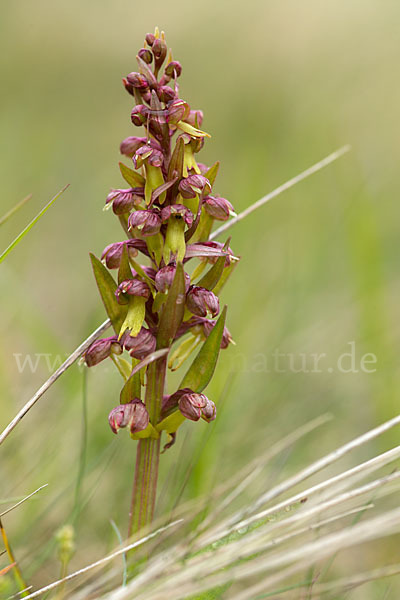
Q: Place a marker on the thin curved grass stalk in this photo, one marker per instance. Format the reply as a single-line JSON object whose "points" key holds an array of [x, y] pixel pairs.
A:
{"points": [[14, 209], [23, 233], [5, 512]]}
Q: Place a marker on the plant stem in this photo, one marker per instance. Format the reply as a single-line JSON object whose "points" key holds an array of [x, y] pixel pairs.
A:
{"points": [[148, 454]]}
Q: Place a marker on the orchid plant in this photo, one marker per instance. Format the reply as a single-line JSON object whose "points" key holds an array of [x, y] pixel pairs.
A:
{"points": [[164, 310]]}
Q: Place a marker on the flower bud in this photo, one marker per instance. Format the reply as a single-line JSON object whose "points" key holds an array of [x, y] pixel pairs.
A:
{"points": [[218, 208], [138, 81], [145, 55], [193, 185], [195, 118], [139, 115], [209, 412], [173, 69], [141, 345], [159, 49], [133, 415], [123, 200], [147, 221], [150, 38], [153, 156], [132, 287], [177, 211], [165, 277], [130, 144], [166, 94], [102, 349], [112, 253], [191, 405], [128, 86], [202, 302]]}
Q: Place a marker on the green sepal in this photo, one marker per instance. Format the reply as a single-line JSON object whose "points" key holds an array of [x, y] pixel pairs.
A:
{"points": [[134, 316], [173, 310], [212, 173], [107, 288], [154, 179], [200, 372], [132, 388], [155, 246], [213, 275], [132, 177]]}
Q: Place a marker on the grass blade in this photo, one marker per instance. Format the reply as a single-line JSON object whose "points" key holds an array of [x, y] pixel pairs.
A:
{"points": [[23, 233], [57, 373], [282, 188], [14, 209]]}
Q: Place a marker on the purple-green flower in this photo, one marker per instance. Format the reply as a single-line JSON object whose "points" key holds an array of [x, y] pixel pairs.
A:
{"points": [[202, 302], [102, 349], [133, 415]]}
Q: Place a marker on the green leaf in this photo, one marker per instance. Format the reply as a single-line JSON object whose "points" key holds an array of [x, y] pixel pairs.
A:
{"points": [[212, 277], [23, 233], [107, 287], [173, 310], [132, 177], [203, 366], [212, 173], [200, 372]]}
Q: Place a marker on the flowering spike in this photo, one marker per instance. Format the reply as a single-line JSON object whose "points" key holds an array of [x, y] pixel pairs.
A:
{"points": [[167, 213]]}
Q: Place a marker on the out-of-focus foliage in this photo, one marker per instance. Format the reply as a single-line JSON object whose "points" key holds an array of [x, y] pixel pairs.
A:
{"points": [[281, 84]]}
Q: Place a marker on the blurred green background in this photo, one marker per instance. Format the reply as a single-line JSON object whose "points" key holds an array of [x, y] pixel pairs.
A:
{"points": [[281, 84]]}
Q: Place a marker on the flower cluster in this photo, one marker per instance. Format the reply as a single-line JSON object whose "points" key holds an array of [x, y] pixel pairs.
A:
{"points": [[167, 214]]}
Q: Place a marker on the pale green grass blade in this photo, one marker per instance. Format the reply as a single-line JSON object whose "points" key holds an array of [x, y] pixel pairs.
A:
{"points": [[15, 209], [125, 563], [31, 224], [282, 188]]}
